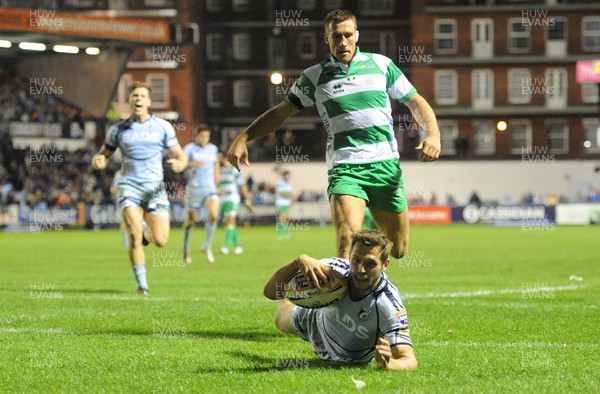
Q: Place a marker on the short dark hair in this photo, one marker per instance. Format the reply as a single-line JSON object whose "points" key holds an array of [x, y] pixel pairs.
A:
{"points": [[137, 84], [373, 238], [338, 16], [202, 127]]}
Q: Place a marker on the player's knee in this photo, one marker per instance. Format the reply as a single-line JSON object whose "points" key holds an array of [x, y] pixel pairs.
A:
{"points": [[399, 251], [160, 241]]}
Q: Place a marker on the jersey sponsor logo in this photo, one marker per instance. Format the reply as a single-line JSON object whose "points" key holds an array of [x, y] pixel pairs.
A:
{"points": [[141, 136], [363, 66], [338, 88], [364, 314], [349, 324], [402, 318], [335, 72]]}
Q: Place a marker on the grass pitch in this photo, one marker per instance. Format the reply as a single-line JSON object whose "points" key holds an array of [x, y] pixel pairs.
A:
{"points": [[490, 310]]}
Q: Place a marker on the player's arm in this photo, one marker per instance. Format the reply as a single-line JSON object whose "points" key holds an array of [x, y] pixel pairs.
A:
{"points": [[399, 357], [100, 159], [311, 267], [179, 162], [265, 124], [422, 112], [246, 196]]}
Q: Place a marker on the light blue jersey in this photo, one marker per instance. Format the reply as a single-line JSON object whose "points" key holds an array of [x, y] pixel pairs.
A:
{"points": [[201, 177], [142, 145], [347, 331]]}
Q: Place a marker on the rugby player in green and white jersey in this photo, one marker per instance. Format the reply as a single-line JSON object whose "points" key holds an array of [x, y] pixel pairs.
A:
{"points": [[283, 201], [352, 92], [231, 185]]}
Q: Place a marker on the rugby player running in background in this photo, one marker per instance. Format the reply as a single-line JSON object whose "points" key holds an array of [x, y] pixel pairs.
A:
{"points": [[141, 191], [202, 176]]}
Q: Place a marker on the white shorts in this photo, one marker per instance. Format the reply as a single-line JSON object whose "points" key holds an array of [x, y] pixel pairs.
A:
{"points": [[195, 196]]}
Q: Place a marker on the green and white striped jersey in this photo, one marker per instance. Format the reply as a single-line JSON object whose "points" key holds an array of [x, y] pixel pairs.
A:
{"points": [[230, 179], [354, 102]]}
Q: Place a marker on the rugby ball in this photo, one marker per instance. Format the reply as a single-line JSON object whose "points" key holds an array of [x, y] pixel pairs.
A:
{"points": [[300, 291]]}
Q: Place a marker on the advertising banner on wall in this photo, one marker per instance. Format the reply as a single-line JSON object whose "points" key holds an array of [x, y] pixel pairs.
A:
{"points": [[503, 214]]}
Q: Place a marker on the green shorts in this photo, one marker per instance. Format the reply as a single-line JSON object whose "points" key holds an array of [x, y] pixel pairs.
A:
{"points": [[380, 184], [283, 208], [229, 208]]}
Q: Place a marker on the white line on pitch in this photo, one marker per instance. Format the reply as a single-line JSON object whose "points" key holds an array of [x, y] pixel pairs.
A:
{"points": [[480, 293], [511, 344]]}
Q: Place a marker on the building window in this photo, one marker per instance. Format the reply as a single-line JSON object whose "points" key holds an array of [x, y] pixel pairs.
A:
{"points": [[590, 33], [520, 136], [557, 136], [241, 46], [591, 129], [332, 4], [160, 90], [589, 93], [484, 137], [445, 36], [215, 94], [556, 39], [519, 36], [482, 89], [448, 134], [213, 5], [306, 5], [382, 42], [242, 93], [519, 89], [241, 5], [446, 87], [376, 7], [482, 38], [307, 45], [122, 89], [214, 46], [556, 80]]}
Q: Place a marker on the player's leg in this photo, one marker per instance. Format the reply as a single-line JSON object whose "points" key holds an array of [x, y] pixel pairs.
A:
{"points": [[347, 213], [396, 227], [193, 201], [132, 217], [159, 226], [283, 316], [190, 220], [229, 223], [388, 205], [211, 204], [237, 245], [282, 227]]}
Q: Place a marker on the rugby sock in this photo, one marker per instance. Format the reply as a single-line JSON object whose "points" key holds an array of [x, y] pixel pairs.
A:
{"points": [[236, 239], [211, 227], [186, 238], [140, 275], [228, 236]]}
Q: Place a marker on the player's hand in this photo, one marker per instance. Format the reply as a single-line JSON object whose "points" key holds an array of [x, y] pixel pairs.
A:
{"points": [[383, 353], [176, 165], [98, 162], [250, 206], [430, 149], [238, 151], [314, 270]]}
